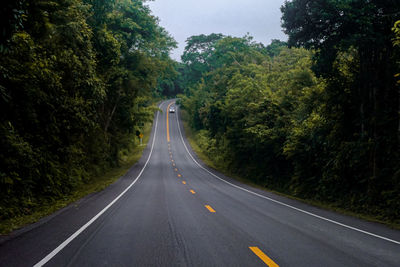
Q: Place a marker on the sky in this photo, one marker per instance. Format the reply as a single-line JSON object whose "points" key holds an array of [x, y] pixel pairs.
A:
{"points": [[185, 18]]}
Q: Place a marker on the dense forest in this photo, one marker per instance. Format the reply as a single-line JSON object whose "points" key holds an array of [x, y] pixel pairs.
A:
{"points": [[77, 80], [316, 117]]}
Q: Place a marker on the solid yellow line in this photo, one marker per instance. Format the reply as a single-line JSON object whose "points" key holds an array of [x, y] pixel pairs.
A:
{"points": [[192, 191], [183, 182], [168, 122], [209, 208], [263, 257]]}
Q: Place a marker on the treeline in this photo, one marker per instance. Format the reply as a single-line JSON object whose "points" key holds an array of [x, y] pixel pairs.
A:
{"points": [[77, 80], [317, 117]]}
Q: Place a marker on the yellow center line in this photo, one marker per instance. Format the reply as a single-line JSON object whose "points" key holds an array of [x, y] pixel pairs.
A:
{"points": [[192, 191], [183, 182], [179, 175], [263, 257], [176, 169], [168, 122], [209, 208]]}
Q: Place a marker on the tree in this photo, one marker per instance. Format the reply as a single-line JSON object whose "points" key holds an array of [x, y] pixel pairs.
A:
{"points": [[266, 114], [275, 47], [49, 87], [364, 102], [396, 40], [196, 55], [76, 81], [12, 15]]}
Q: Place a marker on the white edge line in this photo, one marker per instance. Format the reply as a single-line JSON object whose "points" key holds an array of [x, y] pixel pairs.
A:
{"points": [[80, 230], [281, 203]]}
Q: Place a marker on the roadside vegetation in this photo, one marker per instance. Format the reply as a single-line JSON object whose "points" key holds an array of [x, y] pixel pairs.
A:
{"points": [[317, 117], [128, 157], [78, 81]]}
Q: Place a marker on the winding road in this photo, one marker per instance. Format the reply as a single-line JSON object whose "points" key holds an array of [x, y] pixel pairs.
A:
{"points": [[172, 210]]}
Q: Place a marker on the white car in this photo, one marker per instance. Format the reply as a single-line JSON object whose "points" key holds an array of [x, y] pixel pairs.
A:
{"points": [[172, 110]]}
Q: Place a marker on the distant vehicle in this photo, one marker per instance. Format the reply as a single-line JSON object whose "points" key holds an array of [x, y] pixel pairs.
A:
{"points": [[172, 110]]}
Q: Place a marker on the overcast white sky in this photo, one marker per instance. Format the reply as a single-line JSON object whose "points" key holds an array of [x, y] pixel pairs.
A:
{"points": [[184, 18]]}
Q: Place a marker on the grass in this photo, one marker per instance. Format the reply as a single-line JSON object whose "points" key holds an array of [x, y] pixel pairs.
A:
{"points": [[95, 184], [190, 135]]}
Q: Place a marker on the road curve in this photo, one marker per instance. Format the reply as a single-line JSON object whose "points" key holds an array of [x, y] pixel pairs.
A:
{"points": [[171, 210]]}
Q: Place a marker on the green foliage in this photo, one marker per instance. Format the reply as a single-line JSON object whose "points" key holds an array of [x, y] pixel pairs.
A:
{"points": [[357, 56], [170, 82], [12, 15], [264, 114], [196, 57], [275, 47], [396, 41], [76, 82], [396, 30]]}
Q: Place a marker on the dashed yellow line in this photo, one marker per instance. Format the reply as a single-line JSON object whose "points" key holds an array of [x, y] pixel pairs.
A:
{"points": [[176, 169], [263, 257], [192, 191], [209, 208], [179, 175], [183, 182]]}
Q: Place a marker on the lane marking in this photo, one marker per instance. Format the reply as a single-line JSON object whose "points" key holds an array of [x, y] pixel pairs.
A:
{"points": [[179, 175], [279, 202], [263, 257], [183, 182], [176, 169], [173, 164], [192, 191], [167, 121], [80, 230], [209, 208]]}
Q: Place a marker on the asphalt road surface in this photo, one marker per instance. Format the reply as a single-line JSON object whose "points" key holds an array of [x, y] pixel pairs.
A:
{"points": [[171, 210]]}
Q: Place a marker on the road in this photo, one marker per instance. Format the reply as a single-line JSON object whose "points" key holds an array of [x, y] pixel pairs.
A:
{"points": [[171, 210]]}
